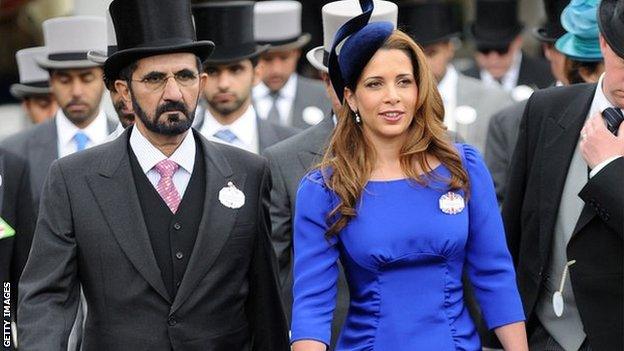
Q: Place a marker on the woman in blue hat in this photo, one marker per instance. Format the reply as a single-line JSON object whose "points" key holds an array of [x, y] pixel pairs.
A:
{"points": [[404, 210], [580, 45]]}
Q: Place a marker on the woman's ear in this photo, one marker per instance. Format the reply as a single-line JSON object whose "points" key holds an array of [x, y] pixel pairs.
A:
{"points": [[350, 97]]}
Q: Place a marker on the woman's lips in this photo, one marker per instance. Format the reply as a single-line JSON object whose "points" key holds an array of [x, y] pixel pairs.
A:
{"points": [[392, 116]]}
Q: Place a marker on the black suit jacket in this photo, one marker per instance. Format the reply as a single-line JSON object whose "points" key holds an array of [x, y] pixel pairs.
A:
{"points": [[16, 208], [91, 231], [548, 135], [534, 72]]}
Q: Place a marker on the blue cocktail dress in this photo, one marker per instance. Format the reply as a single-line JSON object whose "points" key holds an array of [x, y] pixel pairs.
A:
{"points": [[403, 259]]}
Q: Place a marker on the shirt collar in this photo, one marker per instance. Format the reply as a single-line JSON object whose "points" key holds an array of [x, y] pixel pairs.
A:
{"points": [[148, 155], [97, 130], [288, 91], [245, 127], [448, 84], [600, 102]]}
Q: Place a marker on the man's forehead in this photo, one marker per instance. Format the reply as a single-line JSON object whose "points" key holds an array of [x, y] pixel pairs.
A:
{"points": [[167, 63], [226, 65], [76, 71]]}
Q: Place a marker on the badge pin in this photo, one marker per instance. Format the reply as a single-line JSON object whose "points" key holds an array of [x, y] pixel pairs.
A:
{"points": [[557, 301], [231, 197], [451, 203], [0, 179]]}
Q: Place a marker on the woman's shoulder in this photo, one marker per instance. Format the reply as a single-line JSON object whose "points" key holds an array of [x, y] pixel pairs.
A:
{"points": [[315, 180], [473, 163]]}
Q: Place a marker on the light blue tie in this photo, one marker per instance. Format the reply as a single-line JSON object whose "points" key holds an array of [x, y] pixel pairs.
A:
{"points": [[81, 140], [226, 135]]}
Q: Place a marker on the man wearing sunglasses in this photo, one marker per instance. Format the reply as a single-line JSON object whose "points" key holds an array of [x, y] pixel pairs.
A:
{"points": [[166, 232], [499, 59]]}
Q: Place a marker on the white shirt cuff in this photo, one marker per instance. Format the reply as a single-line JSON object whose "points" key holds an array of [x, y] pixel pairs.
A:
{"points": [[602, 165]]}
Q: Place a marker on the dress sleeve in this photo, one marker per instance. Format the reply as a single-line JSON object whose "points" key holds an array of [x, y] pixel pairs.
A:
{"points": [[315, 262], [488, 262]]}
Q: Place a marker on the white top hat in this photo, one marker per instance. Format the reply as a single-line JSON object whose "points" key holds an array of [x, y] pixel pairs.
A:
{"points": [[100, 57], [278, 23], [68, 40], [337, 13], [33, 79]]}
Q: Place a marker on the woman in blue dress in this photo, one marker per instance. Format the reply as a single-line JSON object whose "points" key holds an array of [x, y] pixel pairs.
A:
{"points": [[403, 209]]}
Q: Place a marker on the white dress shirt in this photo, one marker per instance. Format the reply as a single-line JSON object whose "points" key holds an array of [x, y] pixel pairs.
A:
{"points": [[448, 90], [509, 79], [264, 101], [599, 104], [97, 132], [245, 128], [148, 156]]}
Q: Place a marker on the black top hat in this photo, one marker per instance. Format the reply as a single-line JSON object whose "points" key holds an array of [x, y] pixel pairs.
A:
{"points": [[152, 27], [496, 23], [230, 25], [552, 29], [611, 23], [429, 22]]}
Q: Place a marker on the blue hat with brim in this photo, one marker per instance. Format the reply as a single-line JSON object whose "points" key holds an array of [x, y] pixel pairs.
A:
{"points": [[360, 41], [581, 42]]}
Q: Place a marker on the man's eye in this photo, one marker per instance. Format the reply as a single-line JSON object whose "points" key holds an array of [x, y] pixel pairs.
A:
{"points": [[152, 80]]}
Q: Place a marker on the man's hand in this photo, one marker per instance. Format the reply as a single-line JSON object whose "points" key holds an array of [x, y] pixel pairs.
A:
{"points": [[597, 142]]}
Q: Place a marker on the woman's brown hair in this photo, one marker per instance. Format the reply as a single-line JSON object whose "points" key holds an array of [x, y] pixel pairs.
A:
{"points": [[349, 159]]}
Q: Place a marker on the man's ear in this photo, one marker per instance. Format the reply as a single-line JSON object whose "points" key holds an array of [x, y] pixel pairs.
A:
{"points": [[257, 74], [121, 86]]}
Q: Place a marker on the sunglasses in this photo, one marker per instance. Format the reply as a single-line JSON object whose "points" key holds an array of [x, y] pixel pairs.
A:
{"points": [[487, 50]]}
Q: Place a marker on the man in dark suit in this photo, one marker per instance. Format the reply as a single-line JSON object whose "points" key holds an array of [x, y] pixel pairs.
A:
{"points": [[499, 59], [503, 128], [284, 96], [563, 210], [77, 86], [166, 232], [17, 223], [229, 116], [291, 159]]}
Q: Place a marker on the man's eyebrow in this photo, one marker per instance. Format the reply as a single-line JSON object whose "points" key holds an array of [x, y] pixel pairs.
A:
{"points": [[153, 74]]}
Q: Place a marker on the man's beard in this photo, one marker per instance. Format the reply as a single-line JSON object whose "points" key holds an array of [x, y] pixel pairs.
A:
{"points": [[226, 109], [78, 117], [126, 119], [174, 125]]}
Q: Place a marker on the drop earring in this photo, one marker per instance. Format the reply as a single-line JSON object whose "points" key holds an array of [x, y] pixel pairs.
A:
{"points": [[358, 120]]}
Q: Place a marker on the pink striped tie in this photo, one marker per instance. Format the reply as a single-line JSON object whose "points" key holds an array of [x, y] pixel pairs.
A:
{"points": [[165, 187]]}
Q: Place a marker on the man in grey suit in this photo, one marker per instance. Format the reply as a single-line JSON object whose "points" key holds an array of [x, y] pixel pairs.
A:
{"points": [[77, 86], [228, 115], [505, 124], [167, 232], [468, 103], [291, 159], [284, 96]]}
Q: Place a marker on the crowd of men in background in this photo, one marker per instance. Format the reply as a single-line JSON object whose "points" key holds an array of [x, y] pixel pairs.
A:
{"points": [[255, 100]]}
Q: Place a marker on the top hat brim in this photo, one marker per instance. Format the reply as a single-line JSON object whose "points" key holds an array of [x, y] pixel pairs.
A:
{"points": [[541, 35], [122, 58], [21, 91], [48, 64], [98, 57], [495, 41], [300, 42], [315, 58], [614, 38], [225, 55]]}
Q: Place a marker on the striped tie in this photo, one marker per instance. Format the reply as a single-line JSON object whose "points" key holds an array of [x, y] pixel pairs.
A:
{"points": [[165, 187]]}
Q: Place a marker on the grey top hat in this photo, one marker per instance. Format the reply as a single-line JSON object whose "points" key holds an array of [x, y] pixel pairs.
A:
{"points": [[69, 39], [337, 13], [278, 23], [100, 57], [33, 79]]}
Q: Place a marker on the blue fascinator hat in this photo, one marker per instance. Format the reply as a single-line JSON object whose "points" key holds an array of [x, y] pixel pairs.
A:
{"points": [[360, 40], [580, 20]]}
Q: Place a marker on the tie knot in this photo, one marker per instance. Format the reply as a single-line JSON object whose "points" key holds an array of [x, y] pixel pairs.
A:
{"points": [[226, 135], [81, 140], [613, 117], [274, 95], [166, 168]]}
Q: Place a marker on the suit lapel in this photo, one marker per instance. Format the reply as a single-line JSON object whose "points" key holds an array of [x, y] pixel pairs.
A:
{"points": [[115, 192], [560, 135], [216, 223], [42, 151], [266, 134], [316, 142]]}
